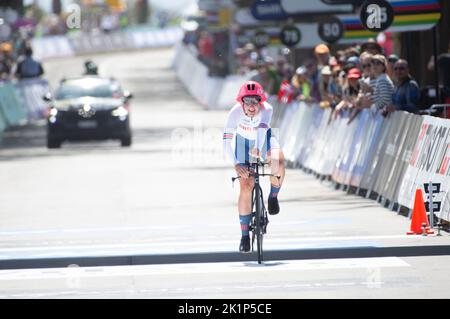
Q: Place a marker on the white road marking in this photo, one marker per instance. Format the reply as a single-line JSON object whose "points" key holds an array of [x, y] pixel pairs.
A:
{"points": [[144, 228], [201, 268]]}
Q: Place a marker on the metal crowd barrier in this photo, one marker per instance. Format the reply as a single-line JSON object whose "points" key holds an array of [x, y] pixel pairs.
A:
{"points": [[12, 111], [441, 106], [386, 159], [21, 102], [212, 92], [61, 46], [31, 92]]}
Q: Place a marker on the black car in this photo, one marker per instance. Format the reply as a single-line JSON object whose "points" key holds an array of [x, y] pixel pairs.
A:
{"points": [[88, 108]]}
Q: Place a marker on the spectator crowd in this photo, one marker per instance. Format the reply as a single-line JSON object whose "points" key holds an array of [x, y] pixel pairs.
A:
{"points": [[348, 80]]}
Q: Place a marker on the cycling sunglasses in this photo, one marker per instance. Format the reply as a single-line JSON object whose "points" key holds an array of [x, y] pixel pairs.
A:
{"points": [[251, 100]]}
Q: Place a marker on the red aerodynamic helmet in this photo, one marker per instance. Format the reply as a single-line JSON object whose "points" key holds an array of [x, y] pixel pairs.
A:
{"points": [[251, 88]]}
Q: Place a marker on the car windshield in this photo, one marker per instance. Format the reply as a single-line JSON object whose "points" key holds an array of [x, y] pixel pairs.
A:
{"points": [[101, 88]]}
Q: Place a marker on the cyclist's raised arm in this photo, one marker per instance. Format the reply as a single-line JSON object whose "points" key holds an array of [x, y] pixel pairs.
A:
{"points": [[264, 125], [229, 131]]}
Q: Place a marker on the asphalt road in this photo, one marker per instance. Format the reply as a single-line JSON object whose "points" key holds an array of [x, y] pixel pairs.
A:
{"points": [[159, 219]]}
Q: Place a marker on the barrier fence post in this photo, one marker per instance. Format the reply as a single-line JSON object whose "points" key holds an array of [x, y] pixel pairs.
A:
{"points": [[431, 206]]}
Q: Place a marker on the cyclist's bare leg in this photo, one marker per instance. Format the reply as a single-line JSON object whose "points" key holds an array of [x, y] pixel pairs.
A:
{"points": [[277, 166], [245, 196], [245, 210]]}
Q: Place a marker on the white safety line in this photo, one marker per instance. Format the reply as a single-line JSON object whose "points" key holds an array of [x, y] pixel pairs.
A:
{"points": [[201, 268], [141, 228]]}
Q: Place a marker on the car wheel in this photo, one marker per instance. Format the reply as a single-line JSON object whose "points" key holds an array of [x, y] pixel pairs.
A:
{"points": [[53, 143], [126, 141]]}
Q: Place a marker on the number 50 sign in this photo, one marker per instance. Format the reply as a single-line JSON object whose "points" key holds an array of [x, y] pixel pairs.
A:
{"points": [[376, 15], [330, 29]]}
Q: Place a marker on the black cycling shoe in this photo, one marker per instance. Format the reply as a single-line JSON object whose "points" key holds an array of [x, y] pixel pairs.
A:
{"points": [[244, 247], [274, 208]]}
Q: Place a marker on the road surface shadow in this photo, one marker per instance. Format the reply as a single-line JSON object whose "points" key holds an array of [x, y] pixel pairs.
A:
{"points": [[272, 258]]}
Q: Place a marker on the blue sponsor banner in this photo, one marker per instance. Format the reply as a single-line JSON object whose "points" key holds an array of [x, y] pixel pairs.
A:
{"points": [[268, 10], [356, 146], [367, 154], [311, 135], [347, 152]]}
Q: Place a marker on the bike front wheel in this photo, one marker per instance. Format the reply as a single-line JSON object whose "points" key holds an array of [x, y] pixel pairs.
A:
{"points": [[259, 229]]}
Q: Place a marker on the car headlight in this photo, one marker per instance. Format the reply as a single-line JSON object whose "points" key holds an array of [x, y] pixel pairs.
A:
{"points": [[53, 111], [120, 112]]}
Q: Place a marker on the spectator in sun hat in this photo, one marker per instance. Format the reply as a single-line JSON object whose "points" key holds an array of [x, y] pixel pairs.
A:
{"points": [[353, 59], [382, 93], [368, 80], [351, 63], [350, 91], [6, 60], [372, 47], [330, 92], [322, 53]]}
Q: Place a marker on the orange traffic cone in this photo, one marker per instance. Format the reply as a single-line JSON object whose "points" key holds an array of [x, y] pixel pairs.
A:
{"points": [[419, 221]]}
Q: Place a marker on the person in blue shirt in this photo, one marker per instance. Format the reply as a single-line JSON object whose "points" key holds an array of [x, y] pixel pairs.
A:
{"points": [[406, 94], [28, 67]]}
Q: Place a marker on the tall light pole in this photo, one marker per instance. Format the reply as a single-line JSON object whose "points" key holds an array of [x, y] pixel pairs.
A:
{"points": [[56, 7], [142, 11]]}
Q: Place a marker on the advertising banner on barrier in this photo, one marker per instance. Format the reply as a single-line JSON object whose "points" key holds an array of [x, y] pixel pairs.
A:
{"points": [[316, 119], [278, 111], [212, 92], [412, 129], [296, 126], [320, 146], [410, 141], [362, 123], [298, 130], [388, 153], [51, 46], [31, 92], [88, 43], [11, 107], [368, 146], [346, 152], [2, 124], [429, 162], [335, 138], [286, 121], [373, 165]]}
